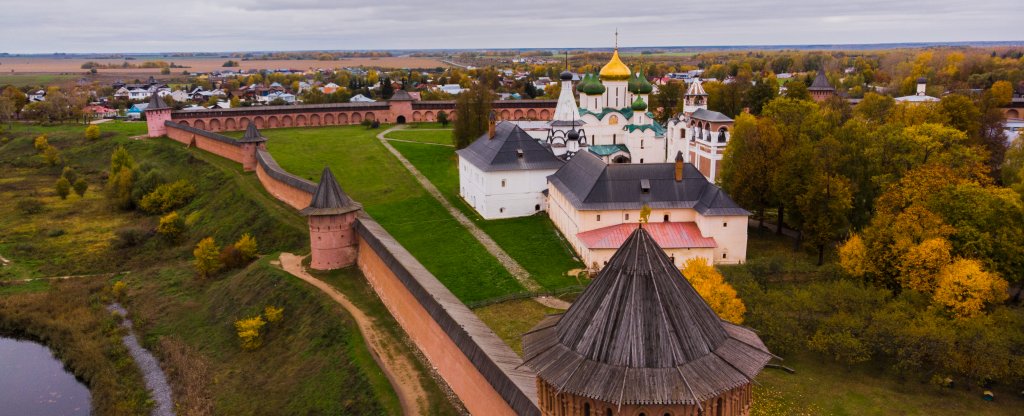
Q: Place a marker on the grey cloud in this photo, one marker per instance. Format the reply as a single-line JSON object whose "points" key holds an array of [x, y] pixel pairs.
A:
{"points": [[228, 25]]}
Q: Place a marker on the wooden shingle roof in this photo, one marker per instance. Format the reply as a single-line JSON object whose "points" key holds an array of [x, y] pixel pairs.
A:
{"points": [[329, 199], [640, 334]]}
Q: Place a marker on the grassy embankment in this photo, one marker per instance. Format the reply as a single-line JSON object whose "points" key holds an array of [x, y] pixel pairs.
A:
{"points": [[372, 176], [308, 364]]}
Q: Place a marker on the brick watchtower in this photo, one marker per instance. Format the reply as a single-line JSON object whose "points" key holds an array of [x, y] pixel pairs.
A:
{"points": [[641, 341], [250, 142], [332, 214], [156, 114]]}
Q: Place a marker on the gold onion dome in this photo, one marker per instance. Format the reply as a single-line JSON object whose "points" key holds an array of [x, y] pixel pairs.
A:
{"points": [[615, 70]]}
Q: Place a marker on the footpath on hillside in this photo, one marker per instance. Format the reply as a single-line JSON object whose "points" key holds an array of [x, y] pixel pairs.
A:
{"points": [[399, 370]]}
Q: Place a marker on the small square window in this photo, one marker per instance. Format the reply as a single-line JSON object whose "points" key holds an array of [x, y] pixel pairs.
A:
{"points": [[627, 216], [599, 217], [725, 224], [502, 183], [724, 254]]}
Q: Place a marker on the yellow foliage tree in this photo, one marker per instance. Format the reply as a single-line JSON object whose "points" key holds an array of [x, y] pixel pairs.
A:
{"points": [[40, 143], [207, 255], [922, 263], [273, 313], [249, 332], [1002, 92], [716, 292], [853, 256], [965, 288], [92, 132], [171, 226], [247, 246]]}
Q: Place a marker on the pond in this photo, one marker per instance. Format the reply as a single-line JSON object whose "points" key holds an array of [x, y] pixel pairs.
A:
{"points": [[34, 382]]}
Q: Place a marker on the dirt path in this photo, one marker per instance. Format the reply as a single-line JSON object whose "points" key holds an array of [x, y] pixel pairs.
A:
{"points": [[152, 374], [413, 141], [399, 370], [492, 247]]}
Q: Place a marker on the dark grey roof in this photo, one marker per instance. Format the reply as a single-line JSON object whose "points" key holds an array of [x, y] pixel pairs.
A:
{"points": [[400, 95], [329, 199], [640, 334], [821, 83], [156, 102], [590, 184], [252, 135], [708, 115], [511, 148]]}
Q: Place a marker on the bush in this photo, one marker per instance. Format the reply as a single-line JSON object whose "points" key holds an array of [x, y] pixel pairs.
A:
{"points": [[231, 258], [29, 206], [40, 143], [92, 132], [80, 186], [273, 313], [69, 174], [51, 155], [207, 257], [247, 247], [171, 226], [249, 332], [148, 181], [118, 289], [130, 237], [167, 197], [63, 188]]}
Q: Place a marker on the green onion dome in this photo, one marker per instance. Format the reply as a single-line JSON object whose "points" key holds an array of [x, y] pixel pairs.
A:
{"points": [[590, 85], [639, 104], [638, 84]]}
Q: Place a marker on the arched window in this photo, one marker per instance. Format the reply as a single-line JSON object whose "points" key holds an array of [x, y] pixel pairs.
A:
{"points": [[666, 217], [613, 120], [536, 207], [608, 412], [720, 411], [586, 409]]}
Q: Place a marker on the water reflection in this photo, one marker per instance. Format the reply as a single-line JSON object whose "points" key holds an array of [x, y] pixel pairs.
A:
{"points": [[34, 382]]}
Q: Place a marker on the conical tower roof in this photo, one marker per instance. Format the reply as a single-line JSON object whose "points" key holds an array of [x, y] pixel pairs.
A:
{"points": [[696, 88], [329, 199], [821, 83], [641, 334], [252, 135], [156, 102]]}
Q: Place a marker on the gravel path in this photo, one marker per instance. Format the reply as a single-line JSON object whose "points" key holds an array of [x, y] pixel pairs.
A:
{"points": [[413, 141], [492, 247], [156, 380]]}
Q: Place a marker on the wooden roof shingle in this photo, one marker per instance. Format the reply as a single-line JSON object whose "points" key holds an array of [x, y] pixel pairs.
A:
{"points": [[640, 334]]}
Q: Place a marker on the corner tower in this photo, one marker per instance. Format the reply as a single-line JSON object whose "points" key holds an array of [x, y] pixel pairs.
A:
{"points": [[157, 113], [332, 215], [640, 340]]}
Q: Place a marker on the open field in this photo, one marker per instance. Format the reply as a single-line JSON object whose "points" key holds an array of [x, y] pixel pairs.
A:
{"points": [[32, 65], [372, 176], [312, 362]]}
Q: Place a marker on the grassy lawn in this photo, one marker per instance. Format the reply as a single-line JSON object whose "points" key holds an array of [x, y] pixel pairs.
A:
{"points": [[532, 241], [372, 176], [509, 320], [35, 80], [425, 136]]}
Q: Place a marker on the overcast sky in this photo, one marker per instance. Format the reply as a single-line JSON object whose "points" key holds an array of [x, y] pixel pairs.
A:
{"points": [[43, 26]]}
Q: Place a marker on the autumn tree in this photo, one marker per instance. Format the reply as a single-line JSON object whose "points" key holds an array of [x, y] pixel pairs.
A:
{"points": [[797, 90], [246, 246], [63, 188], [123, 172], [711, 286], [874, 108], [473, 108], [92, 132], [248, 330], [207, 257], [1002, 92], [667, 101], [965, 288], [80, 186], [273, 313], [171, 226]]}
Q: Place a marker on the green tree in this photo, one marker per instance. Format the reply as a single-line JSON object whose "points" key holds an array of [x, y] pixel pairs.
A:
{"points": [[442, 117], [473, 110], [80, 186], [51, 155], [750, 163], [207, 258], [667, 101], [63, 188], [69, 173], [760, 94], [824, 208], [797, 90], [123, 172]]}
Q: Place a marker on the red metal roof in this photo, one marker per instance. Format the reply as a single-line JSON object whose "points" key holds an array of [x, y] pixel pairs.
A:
{"points": [[666, 234]]}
